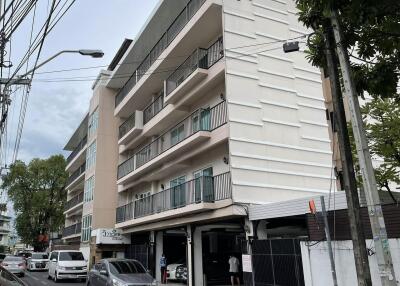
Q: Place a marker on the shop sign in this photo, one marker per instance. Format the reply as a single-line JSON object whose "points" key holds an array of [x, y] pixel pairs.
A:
{"points": [[246, 262], [111, 236]]}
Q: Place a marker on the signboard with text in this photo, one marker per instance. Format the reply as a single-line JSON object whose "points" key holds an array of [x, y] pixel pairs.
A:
{"points": [[246, 263], [110, 236]]}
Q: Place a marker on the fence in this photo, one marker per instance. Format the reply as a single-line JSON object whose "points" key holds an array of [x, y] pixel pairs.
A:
{"points": [[179, 23], [200, 58], [153, 109], [126, 125], [200, 120], [76, 174], [202, 189], [78, 148], [276, 262], [72, 229], [74, 201]]}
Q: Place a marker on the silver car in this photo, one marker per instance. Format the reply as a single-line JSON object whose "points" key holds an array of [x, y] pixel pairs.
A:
{"points": [[38, 261], [15, 264], [119, 272]]}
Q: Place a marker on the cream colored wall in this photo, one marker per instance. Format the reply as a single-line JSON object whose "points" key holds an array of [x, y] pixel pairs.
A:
{"points": [[105, 189], [279, 144]]}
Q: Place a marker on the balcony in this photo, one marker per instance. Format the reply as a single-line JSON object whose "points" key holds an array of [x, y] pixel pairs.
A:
{"points": [[191, 130], [72, 229], [75, 175], [200, 193], [131, 127], [179, 23], [77, 149], [192, 71], [73, 202], [153, 109]]}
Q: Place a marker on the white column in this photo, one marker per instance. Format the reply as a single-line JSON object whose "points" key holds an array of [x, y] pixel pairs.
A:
{"points": [[159, 252], [198, 257], [189, 254]]}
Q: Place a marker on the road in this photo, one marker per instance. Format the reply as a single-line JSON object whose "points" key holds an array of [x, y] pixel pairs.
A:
{"points": [[40, 279]]}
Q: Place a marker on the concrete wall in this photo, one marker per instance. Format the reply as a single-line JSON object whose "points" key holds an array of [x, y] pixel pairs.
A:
{"points": [[279, 144], [316, 265]]}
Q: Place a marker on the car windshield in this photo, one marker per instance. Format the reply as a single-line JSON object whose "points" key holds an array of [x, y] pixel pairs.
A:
{"points": [[13, 258], [40, 256], [68, 256], [126, 267]]}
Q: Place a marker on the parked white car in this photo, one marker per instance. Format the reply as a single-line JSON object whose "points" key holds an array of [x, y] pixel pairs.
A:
{"points": [[177, 271], [38, 261], [67, 264]]}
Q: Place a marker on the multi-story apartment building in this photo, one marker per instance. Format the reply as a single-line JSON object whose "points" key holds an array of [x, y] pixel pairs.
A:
{"points": [[92, 165], [5, 229], [213, 116]]}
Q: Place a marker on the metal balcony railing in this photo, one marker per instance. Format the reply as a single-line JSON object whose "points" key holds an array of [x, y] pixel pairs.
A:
{"points": [[72, 229], [125, 212], [200, 120], [74, 201], [77, 149], [201, 58], [153, 109], [126, 125], [179, 23], [204, 189], [76, 174]]}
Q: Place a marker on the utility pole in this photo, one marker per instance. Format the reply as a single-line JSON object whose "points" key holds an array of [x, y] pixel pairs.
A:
{"points": [[382, 250], [328, 240], [349, 178]]}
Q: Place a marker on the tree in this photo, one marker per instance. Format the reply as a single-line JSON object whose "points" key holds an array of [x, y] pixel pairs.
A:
{"points": [[38, 195], [382, 122], [372, 35]]}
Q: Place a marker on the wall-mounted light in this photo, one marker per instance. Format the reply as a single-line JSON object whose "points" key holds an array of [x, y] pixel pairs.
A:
{"points": [[222, 96], [226, 160]]}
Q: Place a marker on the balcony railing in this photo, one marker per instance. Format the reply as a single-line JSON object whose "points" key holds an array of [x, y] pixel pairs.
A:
{"points": [[153, 109], [179, 23], [127, 125], [72, 229], [125, 212], [76, 174], [77, 149], [74, 201], [204, 189], [200, 120], [201, 58]]}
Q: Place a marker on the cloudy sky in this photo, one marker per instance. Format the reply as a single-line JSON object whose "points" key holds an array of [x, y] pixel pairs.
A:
{"points": [[55, 109]]}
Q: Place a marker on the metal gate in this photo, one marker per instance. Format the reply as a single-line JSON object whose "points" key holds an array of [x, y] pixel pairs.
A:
{"points": [[276, 262], [138, 252]]}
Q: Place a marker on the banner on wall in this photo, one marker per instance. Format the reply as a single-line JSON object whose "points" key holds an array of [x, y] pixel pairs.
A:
{"points": [[110, 236]]}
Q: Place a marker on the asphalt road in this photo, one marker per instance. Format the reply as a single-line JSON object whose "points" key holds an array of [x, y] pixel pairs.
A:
{"points": [[40, 279]]}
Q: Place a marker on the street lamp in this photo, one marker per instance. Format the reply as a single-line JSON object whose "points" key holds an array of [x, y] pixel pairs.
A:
{"points": [[83, 52]]}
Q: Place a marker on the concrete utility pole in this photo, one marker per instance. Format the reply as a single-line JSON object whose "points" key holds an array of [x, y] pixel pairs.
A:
{"points": [[328, 240], [383, 256], [349, 178]]}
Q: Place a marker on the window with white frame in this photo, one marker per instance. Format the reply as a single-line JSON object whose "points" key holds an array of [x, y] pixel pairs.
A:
{"points": [[88, 190], [91, 155], [86, 228], [93, 122]]}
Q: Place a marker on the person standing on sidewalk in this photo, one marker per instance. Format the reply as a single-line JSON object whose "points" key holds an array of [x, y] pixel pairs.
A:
{"points": [[163, 266], [234, 270]]}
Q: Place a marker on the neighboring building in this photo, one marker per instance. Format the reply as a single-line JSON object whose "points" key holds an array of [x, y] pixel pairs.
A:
{"points": [[214, 117], [5, 229], [92, 165]]}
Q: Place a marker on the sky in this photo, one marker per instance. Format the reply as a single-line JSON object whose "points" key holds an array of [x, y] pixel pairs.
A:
{"points": [[55, 109]]}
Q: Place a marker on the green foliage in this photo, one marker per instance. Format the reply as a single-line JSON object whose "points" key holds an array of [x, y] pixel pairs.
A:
{"points": [[37, 192], [372, 33]]}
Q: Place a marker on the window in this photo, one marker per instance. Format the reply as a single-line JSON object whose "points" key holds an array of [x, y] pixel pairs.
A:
{"points": [[178, 196], [88, 190], [93, 122], [177, 134], [142, 195], [91, 155], [39, 256], [203, 185], [126, 267], [71, 256], [54, 255], [86, 228]]}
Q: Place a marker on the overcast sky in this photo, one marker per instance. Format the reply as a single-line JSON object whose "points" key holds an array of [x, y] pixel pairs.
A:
{"points": [[56, 109]]}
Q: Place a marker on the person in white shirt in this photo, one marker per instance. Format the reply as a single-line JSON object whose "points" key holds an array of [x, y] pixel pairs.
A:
{"points": [[234, 269]]}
